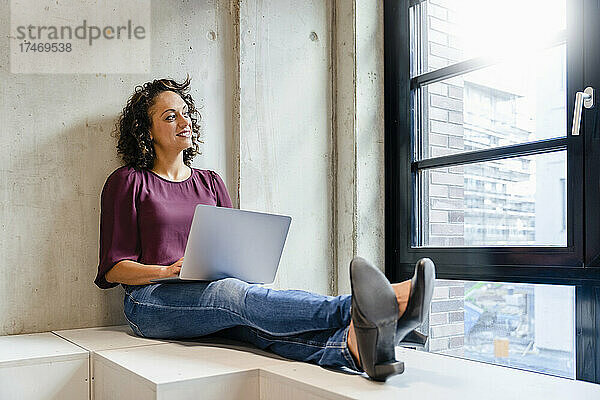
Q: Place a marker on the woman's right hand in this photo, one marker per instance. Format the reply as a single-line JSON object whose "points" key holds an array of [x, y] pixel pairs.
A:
{"points": [[172, 270]]}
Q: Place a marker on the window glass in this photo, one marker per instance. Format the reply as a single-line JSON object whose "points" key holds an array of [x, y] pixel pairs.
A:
{"points": [[515, 102], [453, 31], [509, 202], [524, 326]]}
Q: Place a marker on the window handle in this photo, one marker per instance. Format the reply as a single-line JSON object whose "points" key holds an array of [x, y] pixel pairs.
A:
{"points": [[582, 99]]}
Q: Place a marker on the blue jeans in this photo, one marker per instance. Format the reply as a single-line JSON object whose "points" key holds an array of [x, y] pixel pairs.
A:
{"points": [[292, 323]]}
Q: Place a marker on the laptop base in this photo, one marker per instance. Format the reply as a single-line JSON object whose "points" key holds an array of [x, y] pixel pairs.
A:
{"points": [[176, 280]]}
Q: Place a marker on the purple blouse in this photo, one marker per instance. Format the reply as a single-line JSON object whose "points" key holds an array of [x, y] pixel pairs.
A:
{"points": [[146, 218]]}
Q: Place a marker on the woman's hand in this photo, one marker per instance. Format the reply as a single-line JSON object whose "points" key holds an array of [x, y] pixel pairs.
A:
{"points": [[171, 270]]}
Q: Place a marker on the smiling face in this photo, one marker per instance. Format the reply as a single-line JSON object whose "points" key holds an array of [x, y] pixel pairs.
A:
{"points": [[171, 128]]}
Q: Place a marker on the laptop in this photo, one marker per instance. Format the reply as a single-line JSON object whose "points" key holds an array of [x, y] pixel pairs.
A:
{"points": [[227, 242]]}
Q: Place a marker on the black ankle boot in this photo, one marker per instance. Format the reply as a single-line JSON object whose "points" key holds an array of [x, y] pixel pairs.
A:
{"points": [[375, 316], [421, 291]]}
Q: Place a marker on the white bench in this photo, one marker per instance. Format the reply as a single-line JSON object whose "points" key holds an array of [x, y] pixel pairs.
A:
{"points": [[42, 366], [124, 366]]}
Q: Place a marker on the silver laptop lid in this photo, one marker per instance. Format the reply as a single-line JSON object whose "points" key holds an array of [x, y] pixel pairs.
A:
{"points": [[227, 242]]}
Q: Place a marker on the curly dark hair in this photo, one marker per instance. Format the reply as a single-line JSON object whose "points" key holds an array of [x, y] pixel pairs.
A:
{"points": [[133, 126]]}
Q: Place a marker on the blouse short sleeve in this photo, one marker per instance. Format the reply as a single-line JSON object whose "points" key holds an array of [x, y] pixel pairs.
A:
{"points": [[119, 237], [223, 199]]}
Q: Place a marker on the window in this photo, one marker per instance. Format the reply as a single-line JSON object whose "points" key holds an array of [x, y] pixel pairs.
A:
{"points": [[483, 172], [510, 324]]}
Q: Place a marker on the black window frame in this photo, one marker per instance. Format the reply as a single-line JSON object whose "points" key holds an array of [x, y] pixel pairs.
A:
{"points": [[577, 264]]}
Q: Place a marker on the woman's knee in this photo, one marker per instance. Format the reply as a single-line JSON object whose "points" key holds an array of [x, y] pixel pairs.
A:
{"points": [[227, 292], [232, 285]]}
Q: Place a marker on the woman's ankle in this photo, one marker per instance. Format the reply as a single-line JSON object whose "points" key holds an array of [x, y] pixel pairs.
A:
{"points": [[352, 345], [402, 291]]}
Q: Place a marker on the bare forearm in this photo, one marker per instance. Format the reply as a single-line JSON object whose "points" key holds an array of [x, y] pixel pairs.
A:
{"points": [[134, 273]]}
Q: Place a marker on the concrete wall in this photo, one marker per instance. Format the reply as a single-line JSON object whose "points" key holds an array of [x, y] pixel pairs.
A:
{"points": [[311, 132], [286, 130], [57, 154], [359, 121], [291, 126]]}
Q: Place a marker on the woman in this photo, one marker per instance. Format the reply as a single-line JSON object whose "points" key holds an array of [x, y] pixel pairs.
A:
{"points": [[146, 213]]}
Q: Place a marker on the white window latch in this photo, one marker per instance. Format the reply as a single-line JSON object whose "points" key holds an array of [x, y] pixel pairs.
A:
{"points": [[582, 99]]}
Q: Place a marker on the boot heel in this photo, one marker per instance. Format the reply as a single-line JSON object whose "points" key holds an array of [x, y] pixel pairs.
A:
{"points": [[388, 369], [414, 339], [377, 354]]}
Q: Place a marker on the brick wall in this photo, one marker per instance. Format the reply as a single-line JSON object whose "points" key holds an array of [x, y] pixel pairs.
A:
{"points": [[446, 321], [443, 131], [443, 188]]}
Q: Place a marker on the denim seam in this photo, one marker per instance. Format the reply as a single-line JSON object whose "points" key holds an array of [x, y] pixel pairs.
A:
{"points": [[331, 345], [248, 323], [346, 352], [289, 340], [137, 327], [350, 360]]}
